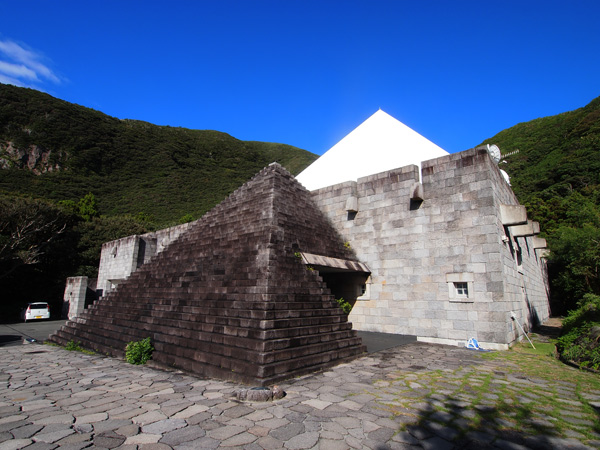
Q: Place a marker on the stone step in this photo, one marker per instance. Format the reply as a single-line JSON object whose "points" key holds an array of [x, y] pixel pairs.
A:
{"points": [[235, 301], [114, 336], [89, 341], [223, 315], [242, 371], [187, 328]]}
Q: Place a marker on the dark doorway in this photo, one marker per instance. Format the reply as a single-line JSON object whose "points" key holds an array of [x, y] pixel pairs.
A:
{"points": [[346, 285]]}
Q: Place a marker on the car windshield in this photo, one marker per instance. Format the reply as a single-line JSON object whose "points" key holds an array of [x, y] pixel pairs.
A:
{"points": [[38, 305]]}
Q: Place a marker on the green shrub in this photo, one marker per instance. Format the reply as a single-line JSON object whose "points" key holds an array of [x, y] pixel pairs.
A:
{"points": [[588, 310], [139, 352], [581, 333], [346, 307]]}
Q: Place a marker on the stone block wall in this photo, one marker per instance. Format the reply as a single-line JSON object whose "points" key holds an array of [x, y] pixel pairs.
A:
{"points": [[121, 257], [422, 254], [74, 297], [117, 261]]}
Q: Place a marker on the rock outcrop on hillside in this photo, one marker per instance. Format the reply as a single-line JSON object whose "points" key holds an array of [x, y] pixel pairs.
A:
{"points": [[34, 158]]}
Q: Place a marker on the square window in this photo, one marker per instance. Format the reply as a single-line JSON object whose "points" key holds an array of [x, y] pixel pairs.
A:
{"points": [[461, 289]]}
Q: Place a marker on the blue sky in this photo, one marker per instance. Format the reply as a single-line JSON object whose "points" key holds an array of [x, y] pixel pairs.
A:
{"points": [[306, 73]]}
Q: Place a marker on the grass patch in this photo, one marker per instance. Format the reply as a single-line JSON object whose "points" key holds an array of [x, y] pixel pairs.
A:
{"points": [[541, 349], [73, 346]]}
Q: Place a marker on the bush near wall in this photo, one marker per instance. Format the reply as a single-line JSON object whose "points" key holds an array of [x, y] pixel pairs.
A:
{"points": [[579, 342]]}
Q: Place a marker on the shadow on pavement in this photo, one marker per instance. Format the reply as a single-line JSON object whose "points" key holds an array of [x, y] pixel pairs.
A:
{"points": [[32, 331], [376, 342], [9, 338], [447, 420]]}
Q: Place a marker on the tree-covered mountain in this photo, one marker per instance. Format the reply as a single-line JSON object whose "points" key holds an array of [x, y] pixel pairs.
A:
{"points": [[72, 178], [60, 151], [556, 156]]}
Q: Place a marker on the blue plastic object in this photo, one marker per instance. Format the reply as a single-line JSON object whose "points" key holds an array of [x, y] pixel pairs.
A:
{"points": [[472, 344]]}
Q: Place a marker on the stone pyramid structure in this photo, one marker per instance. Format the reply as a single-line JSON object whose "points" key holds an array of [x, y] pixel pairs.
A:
{"points": [[232, 297], [379, 144]]}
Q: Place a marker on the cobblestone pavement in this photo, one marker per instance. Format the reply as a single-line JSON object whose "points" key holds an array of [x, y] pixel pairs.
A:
{"points": [[417, 396]]}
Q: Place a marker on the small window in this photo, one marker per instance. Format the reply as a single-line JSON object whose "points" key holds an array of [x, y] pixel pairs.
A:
{"points": [[363, 289], [461, 289], [519, 259]]}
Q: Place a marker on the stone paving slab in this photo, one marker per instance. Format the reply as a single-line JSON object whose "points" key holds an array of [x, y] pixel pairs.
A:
{"points": [[417, 396]]}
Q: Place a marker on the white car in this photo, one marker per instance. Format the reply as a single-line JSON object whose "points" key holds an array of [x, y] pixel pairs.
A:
{"points": [[38, 310]]}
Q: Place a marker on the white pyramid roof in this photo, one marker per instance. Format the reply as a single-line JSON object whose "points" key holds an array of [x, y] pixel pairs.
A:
{"points": [[379, 144]]}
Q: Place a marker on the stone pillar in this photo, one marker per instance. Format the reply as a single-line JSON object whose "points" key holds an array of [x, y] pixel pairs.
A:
{"points": [[74, 297]]}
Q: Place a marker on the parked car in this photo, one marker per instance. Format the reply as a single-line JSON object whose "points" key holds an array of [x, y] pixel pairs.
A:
{"points": [[37, 310]]}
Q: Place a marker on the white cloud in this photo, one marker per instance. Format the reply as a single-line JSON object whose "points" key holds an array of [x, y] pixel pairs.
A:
{"points": [[19, 71], [21, 66], [9, 80]]}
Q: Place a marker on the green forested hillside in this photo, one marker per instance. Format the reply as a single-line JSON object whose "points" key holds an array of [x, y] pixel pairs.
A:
{"points": [[72, 178], [131, 167], [556, 174], [557, 155]]}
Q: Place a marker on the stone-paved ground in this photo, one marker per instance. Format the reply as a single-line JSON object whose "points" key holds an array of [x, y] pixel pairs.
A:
{"points": [[418, 396]]}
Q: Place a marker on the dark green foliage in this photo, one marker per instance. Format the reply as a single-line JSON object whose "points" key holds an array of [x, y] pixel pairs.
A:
{"points": [[557, 154], [572, 229], [576, 261], [139, 352], [130, 166], [581, 333]]}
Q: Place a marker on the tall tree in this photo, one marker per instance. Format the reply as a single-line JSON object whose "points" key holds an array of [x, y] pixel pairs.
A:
{"points": [[27, 228]]}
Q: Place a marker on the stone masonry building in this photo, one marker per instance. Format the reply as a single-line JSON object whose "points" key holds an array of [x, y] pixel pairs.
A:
{"points": [[450, 249], [452, 257], [450, 252]]}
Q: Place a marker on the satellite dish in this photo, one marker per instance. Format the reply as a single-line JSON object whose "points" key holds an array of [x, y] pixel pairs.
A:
{"points": [[494, 152]]}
